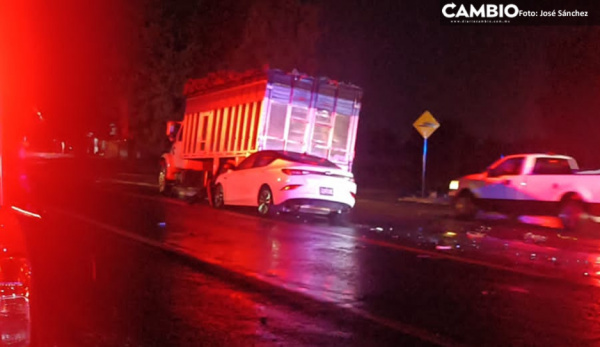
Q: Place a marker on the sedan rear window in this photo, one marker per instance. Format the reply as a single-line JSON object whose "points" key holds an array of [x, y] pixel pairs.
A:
{"points": [[306, 159]]}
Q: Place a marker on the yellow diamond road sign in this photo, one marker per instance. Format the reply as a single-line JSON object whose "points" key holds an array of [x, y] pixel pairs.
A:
{"points": [[426, 124]]}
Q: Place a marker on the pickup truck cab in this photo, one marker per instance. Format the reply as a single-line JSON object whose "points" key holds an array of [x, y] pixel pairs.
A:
{"points": [[530, 184]]}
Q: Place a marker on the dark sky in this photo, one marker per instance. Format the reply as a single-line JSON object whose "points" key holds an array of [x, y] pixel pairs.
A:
{"points": [[534, 85], [509, 83], [489, 78]]}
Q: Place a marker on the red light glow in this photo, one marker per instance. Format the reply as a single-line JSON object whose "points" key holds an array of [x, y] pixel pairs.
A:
{"points": [[292, 172], [291, 187]]}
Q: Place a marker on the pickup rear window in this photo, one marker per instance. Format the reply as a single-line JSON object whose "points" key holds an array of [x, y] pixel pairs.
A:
{"points": [[551, 166]]}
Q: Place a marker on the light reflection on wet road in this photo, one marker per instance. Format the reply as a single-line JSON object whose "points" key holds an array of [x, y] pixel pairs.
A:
{"points": [[486, 292], [96, 289]]}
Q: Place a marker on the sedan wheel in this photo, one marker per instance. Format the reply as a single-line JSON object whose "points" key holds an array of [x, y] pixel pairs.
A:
{"points": [[265, 201], [218, 197]]}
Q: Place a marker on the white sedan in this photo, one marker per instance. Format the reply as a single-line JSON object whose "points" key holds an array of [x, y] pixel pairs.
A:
{"points": [[280, 181]]}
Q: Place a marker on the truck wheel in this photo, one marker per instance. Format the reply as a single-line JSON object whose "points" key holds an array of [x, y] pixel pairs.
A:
{"points": [[464, 206], [265, 202], [164, 186], [218, 197], [205, 190], [571, 214]]}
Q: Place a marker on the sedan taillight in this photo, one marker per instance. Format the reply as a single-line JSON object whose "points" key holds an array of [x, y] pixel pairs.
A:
{"points": [[291, 187], [294, 172]]}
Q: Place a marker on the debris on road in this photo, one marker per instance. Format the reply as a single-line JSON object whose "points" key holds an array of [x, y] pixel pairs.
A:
{"points": [[536, 238]]}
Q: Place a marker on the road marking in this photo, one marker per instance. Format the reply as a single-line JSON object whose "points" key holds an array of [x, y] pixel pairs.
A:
{"points": [[132, 183], [162, 199], [406, 329], [26, 213]]}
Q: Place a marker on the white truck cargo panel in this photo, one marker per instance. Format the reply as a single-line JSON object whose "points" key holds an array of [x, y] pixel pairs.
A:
{"points": [[276, 111]]}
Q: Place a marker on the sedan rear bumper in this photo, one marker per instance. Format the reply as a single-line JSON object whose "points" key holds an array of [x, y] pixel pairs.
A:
{"points": [[314, 206]]}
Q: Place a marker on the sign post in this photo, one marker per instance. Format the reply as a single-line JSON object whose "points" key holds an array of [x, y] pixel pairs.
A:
{"points": [[425, 125]]}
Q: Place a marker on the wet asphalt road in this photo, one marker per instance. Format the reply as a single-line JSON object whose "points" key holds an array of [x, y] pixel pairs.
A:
{"points": [[96, 289], [381, 281]]}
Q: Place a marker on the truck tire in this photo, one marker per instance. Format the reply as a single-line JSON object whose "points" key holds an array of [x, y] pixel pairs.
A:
{"points": [[571, 214], [218, 199], [210, 192], [464, 206], [205, 190], [164, 185], [265, 206]]}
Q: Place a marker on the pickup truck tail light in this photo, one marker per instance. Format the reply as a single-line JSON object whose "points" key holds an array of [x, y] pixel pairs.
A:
{"points": [[15, 320]]}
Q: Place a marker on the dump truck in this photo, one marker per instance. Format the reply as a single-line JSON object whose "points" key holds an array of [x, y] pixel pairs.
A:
{"points": [[227, 118]]}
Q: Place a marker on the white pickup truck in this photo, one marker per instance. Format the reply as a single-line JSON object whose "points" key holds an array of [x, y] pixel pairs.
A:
{"points": [[530, 184]]}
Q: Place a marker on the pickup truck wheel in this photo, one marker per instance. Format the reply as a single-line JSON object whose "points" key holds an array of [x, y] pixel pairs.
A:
{"points": [[218, 197], [464, 207], [164, 186], [571, 214]]}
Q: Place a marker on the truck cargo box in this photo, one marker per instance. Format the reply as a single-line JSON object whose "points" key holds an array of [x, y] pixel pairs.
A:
{"points": [[271, 110]]}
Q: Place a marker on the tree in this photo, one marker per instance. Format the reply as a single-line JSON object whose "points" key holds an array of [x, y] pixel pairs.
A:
{"points": [[281, 33], [168, 48], [182, 39]]}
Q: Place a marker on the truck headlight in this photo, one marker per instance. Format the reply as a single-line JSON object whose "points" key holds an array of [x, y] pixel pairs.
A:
{"points": [[453, 185]]}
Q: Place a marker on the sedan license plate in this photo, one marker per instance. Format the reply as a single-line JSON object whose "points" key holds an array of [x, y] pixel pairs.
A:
{"points": [[326, 191]]}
